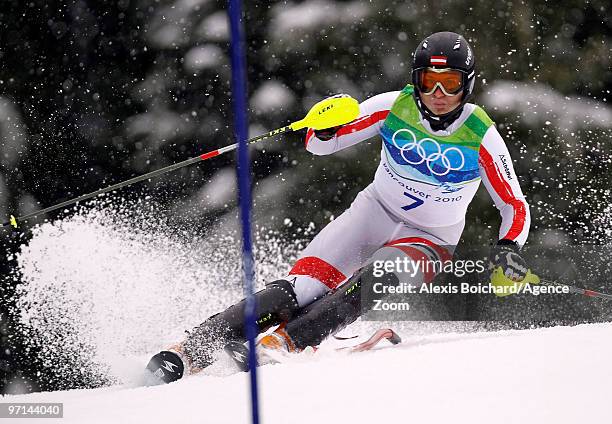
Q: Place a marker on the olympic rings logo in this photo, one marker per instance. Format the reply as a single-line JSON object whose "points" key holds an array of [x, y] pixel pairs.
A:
{"points": [[417, 147]]}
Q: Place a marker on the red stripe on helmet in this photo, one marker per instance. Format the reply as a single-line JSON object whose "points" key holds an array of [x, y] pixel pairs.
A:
{"points": [[437, 60]]}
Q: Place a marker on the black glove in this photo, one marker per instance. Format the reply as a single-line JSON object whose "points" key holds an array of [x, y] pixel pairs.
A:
{"points": [[505, 254], [327, 133]]}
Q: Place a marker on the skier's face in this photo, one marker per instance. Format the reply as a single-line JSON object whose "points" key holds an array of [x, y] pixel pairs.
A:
{"points": [[439, 103]]}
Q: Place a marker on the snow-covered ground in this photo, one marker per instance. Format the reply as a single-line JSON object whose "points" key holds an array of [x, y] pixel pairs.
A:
{"points": [[93, 291], [555, 375]]}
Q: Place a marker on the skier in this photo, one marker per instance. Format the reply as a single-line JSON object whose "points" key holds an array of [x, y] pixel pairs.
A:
{"points": [[437, 148]]}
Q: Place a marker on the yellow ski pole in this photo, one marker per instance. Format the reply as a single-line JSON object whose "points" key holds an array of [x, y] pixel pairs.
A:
{"points": [[330, 112]]}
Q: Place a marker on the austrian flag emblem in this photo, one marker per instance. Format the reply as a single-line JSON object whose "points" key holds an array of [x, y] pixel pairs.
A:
{"points": [[438, 60]]}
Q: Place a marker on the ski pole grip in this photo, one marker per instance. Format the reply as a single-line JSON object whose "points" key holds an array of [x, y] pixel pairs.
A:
{"points": [[328, 113]]}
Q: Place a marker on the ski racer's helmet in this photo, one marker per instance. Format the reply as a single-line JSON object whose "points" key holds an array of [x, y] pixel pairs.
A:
{"points": [[439, 52]]}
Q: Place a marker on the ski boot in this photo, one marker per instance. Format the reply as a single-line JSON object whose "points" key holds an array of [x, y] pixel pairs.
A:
{"points": [[275, 304], [165, 367], [271, 349]]}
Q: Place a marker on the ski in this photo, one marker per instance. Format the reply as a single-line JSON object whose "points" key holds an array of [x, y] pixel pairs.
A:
{"points": [[383, 333], [342, 338], [239, 352]]}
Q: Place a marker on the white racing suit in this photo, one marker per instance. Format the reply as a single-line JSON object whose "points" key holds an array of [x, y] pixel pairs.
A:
{"points": [[419, 197]]}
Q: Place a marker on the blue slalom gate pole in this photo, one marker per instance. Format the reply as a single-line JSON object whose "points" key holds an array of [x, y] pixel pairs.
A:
{"points": [[239, 103]]}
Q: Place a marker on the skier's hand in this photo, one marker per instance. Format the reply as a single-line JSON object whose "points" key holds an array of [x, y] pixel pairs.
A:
{"points": [[509, 272], [505, 255], [327, 133]]}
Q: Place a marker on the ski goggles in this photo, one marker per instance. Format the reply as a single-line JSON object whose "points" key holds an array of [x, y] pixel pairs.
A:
{"points": [[450, 81]]}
